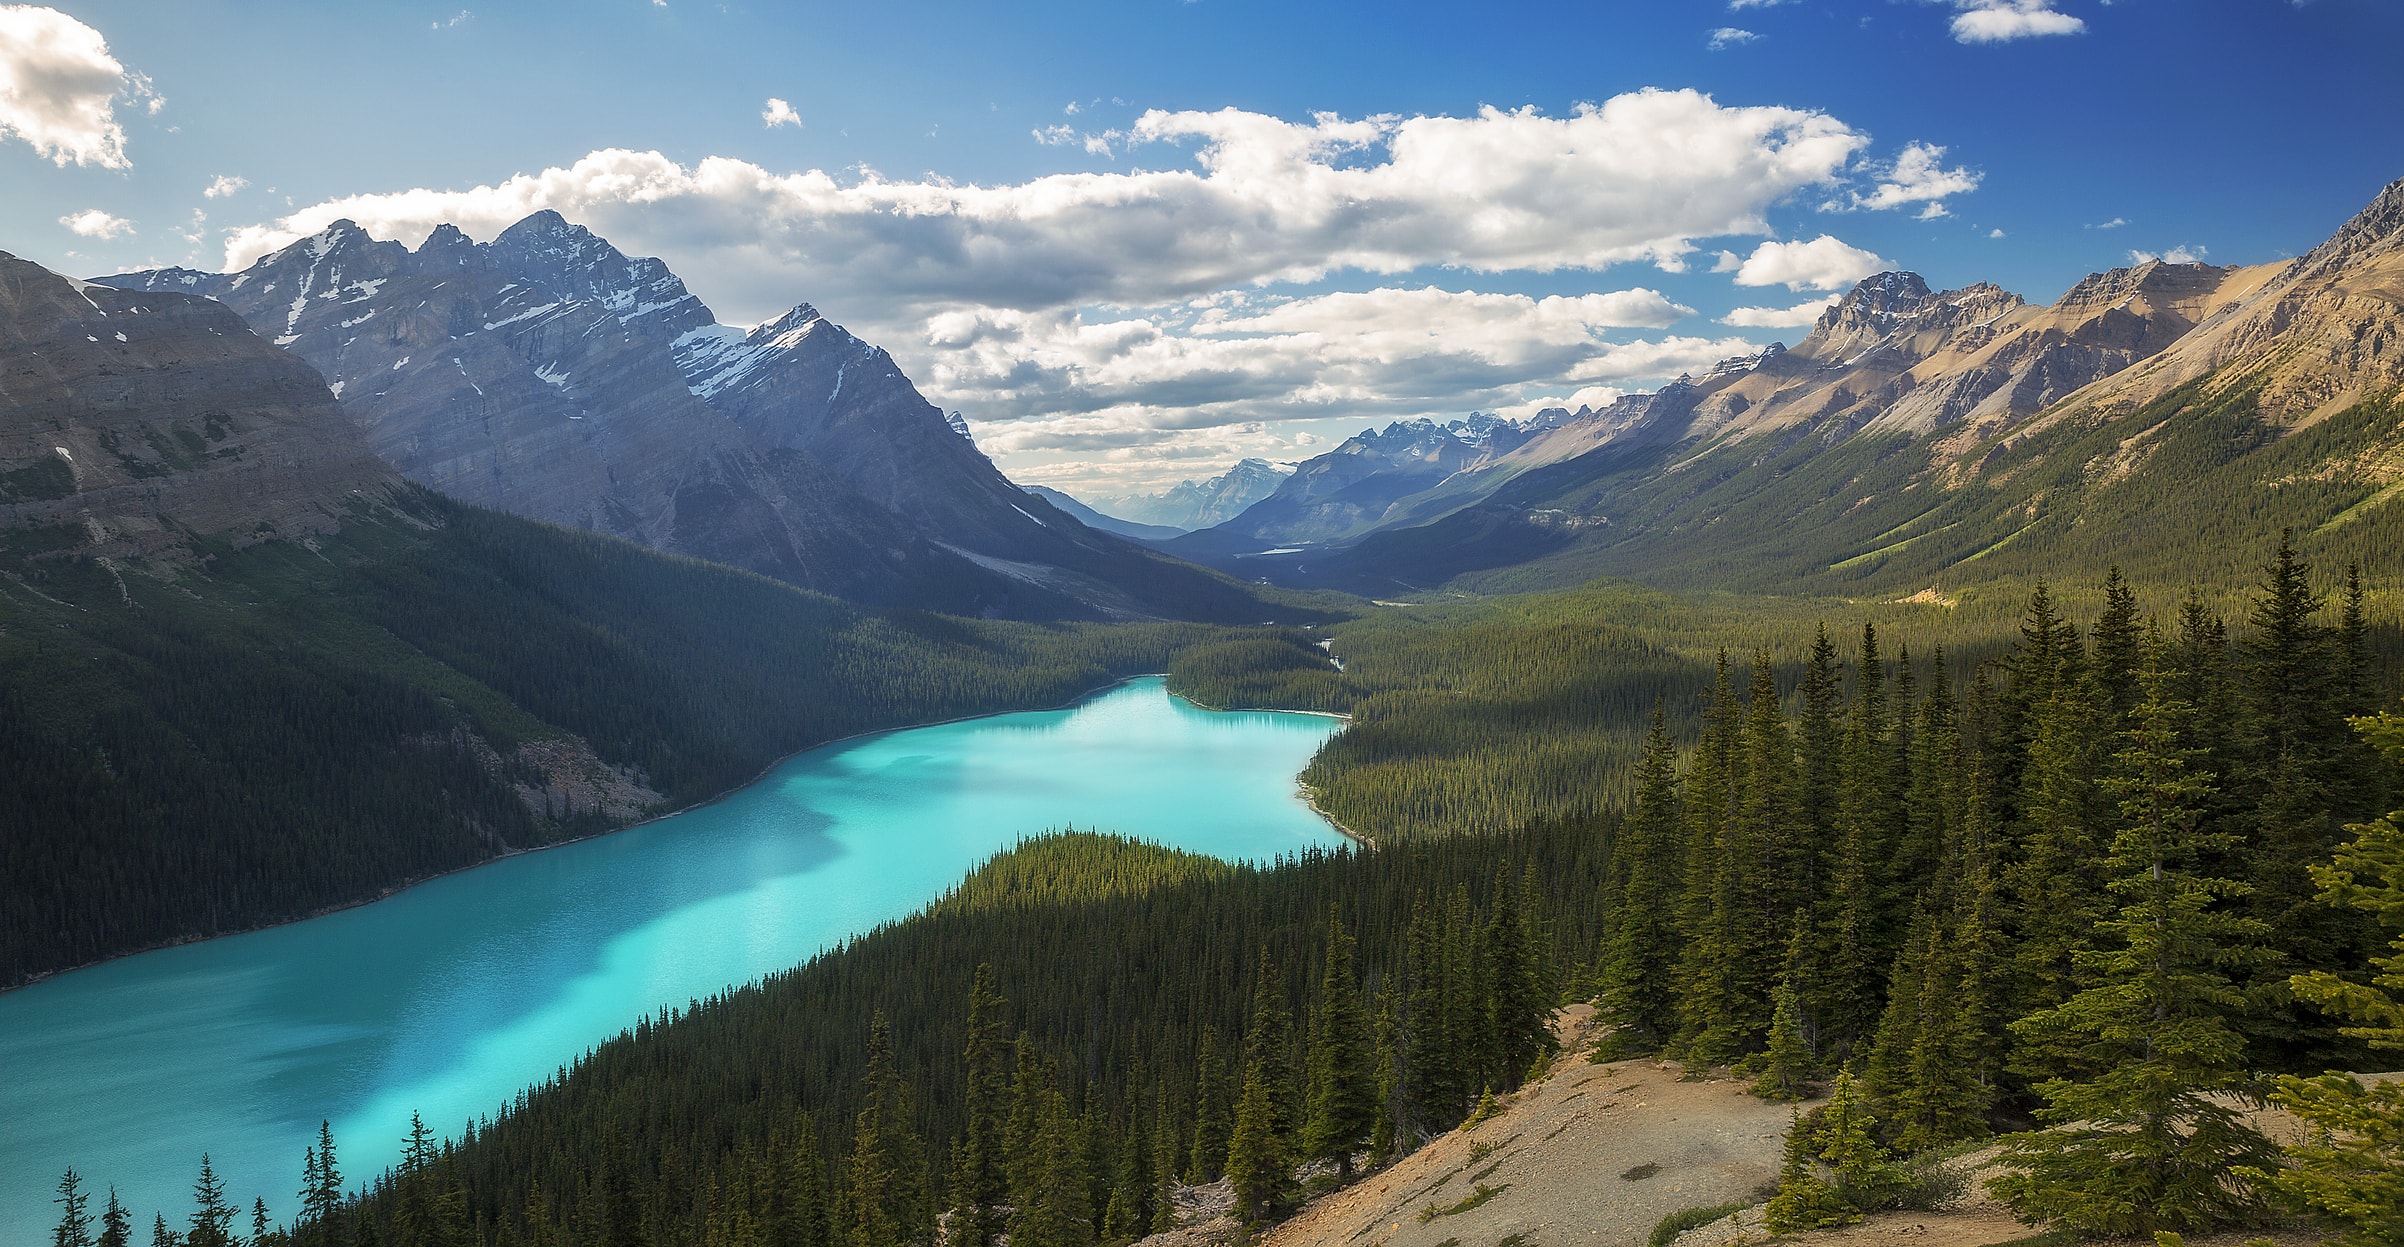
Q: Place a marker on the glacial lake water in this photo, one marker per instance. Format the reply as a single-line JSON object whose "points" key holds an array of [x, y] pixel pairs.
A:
{"points": [[449, 998]]}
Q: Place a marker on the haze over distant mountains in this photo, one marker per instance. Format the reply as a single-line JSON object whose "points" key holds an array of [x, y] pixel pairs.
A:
{"points": [[1189, 505], [547, 374], [1914, 436]]}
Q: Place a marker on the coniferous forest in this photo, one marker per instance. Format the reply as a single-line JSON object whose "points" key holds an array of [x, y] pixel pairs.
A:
{"points": [[2074, 897], [282, 729]]}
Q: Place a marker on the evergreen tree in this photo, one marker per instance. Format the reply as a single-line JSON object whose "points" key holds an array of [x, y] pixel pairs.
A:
{"points": [[116, 1224], [1639, 991], [1845, 1003], [1785, 1065], [74, 1219], [1714, 1013], [2350, 1172], [1268, 1048], [1518, 1009], [2138, 1146], [1343, 1090], [1055, 1207], [1165, 1152], [160, 1235], [980, 1183], [212, 1217], [884, 1178], [1385, 1041], [1256, 1157], [321, 1189], [807, 1218], [1214, 1113]]}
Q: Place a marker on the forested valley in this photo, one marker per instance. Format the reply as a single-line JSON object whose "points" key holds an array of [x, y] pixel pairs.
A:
{"points": [[282, 728], [2066, 895]]}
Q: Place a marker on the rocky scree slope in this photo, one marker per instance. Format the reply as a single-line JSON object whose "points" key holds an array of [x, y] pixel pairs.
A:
{"points": [[549, 375]]}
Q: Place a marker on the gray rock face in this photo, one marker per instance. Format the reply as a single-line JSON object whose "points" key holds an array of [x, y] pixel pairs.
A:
{"points": [[130, 422], [549, 375]]}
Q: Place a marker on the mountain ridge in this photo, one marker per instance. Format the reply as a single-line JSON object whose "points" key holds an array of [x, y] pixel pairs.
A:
{"points": [[547, 374], [1917, 436]]}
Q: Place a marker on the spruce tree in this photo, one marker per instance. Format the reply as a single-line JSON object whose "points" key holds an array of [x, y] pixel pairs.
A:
{"points": [[1214, 1113], [116, 1223], [807, 1214], [1268, 1050], [1343, 1089], [980, 1184], [1256, 1157], [2349, 1173], [1165, 1153], [1639, 997], [2135, 1144], [885, 1176], [1715, 1015], [1785, 1066], [74, 1218], [212, 1217], [1385, 1041], [1518, 1009], [1056, 1207]]}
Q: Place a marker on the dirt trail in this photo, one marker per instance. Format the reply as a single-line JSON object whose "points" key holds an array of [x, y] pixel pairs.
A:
{"points": [[1592, 1156]]}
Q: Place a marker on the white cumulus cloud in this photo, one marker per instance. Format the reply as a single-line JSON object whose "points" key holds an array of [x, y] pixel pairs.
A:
{"points": [[1636, 178], [1918, 176], [1145, 315], [2001, 21], [96, 223], [2176, 255], [1795, 317], [1824, 263], [223, 185], [780, 113], [1240, 356], [1729, 36], [59, 86]]}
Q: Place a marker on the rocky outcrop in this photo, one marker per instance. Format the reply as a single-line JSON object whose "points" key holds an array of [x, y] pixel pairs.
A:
{"points": [[132, 424]]}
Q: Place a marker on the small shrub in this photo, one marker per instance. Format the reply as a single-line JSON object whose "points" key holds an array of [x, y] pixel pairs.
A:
{"points": [[1678, 1223]]}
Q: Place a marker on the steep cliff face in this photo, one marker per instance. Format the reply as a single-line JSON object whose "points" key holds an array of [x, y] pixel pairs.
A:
{"points": [[131, 423], [547, 374]]}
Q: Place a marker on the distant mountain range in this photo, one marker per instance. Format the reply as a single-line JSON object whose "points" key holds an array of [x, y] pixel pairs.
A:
{"points": [[549, 375], [1198, 504], [2165, 416]]}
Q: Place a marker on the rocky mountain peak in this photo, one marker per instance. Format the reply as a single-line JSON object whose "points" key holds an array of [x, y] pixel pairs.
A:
{"points": [[447, 247], [2378, 228], [570, 261]]}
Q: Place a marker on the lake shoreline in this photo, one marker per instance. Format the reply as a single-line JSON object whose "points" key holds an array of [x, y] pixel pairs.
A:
{"points": [[714, 798]]}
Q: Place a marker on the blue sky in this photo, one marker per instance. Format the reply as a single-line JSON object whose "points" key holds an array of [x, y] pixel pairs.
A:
{"points": [[1297, 219]]}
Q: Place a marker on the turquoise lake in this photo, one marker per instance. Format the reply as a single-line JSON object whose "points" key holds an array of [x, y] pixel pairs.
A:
{"points": [[449, 998]]}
